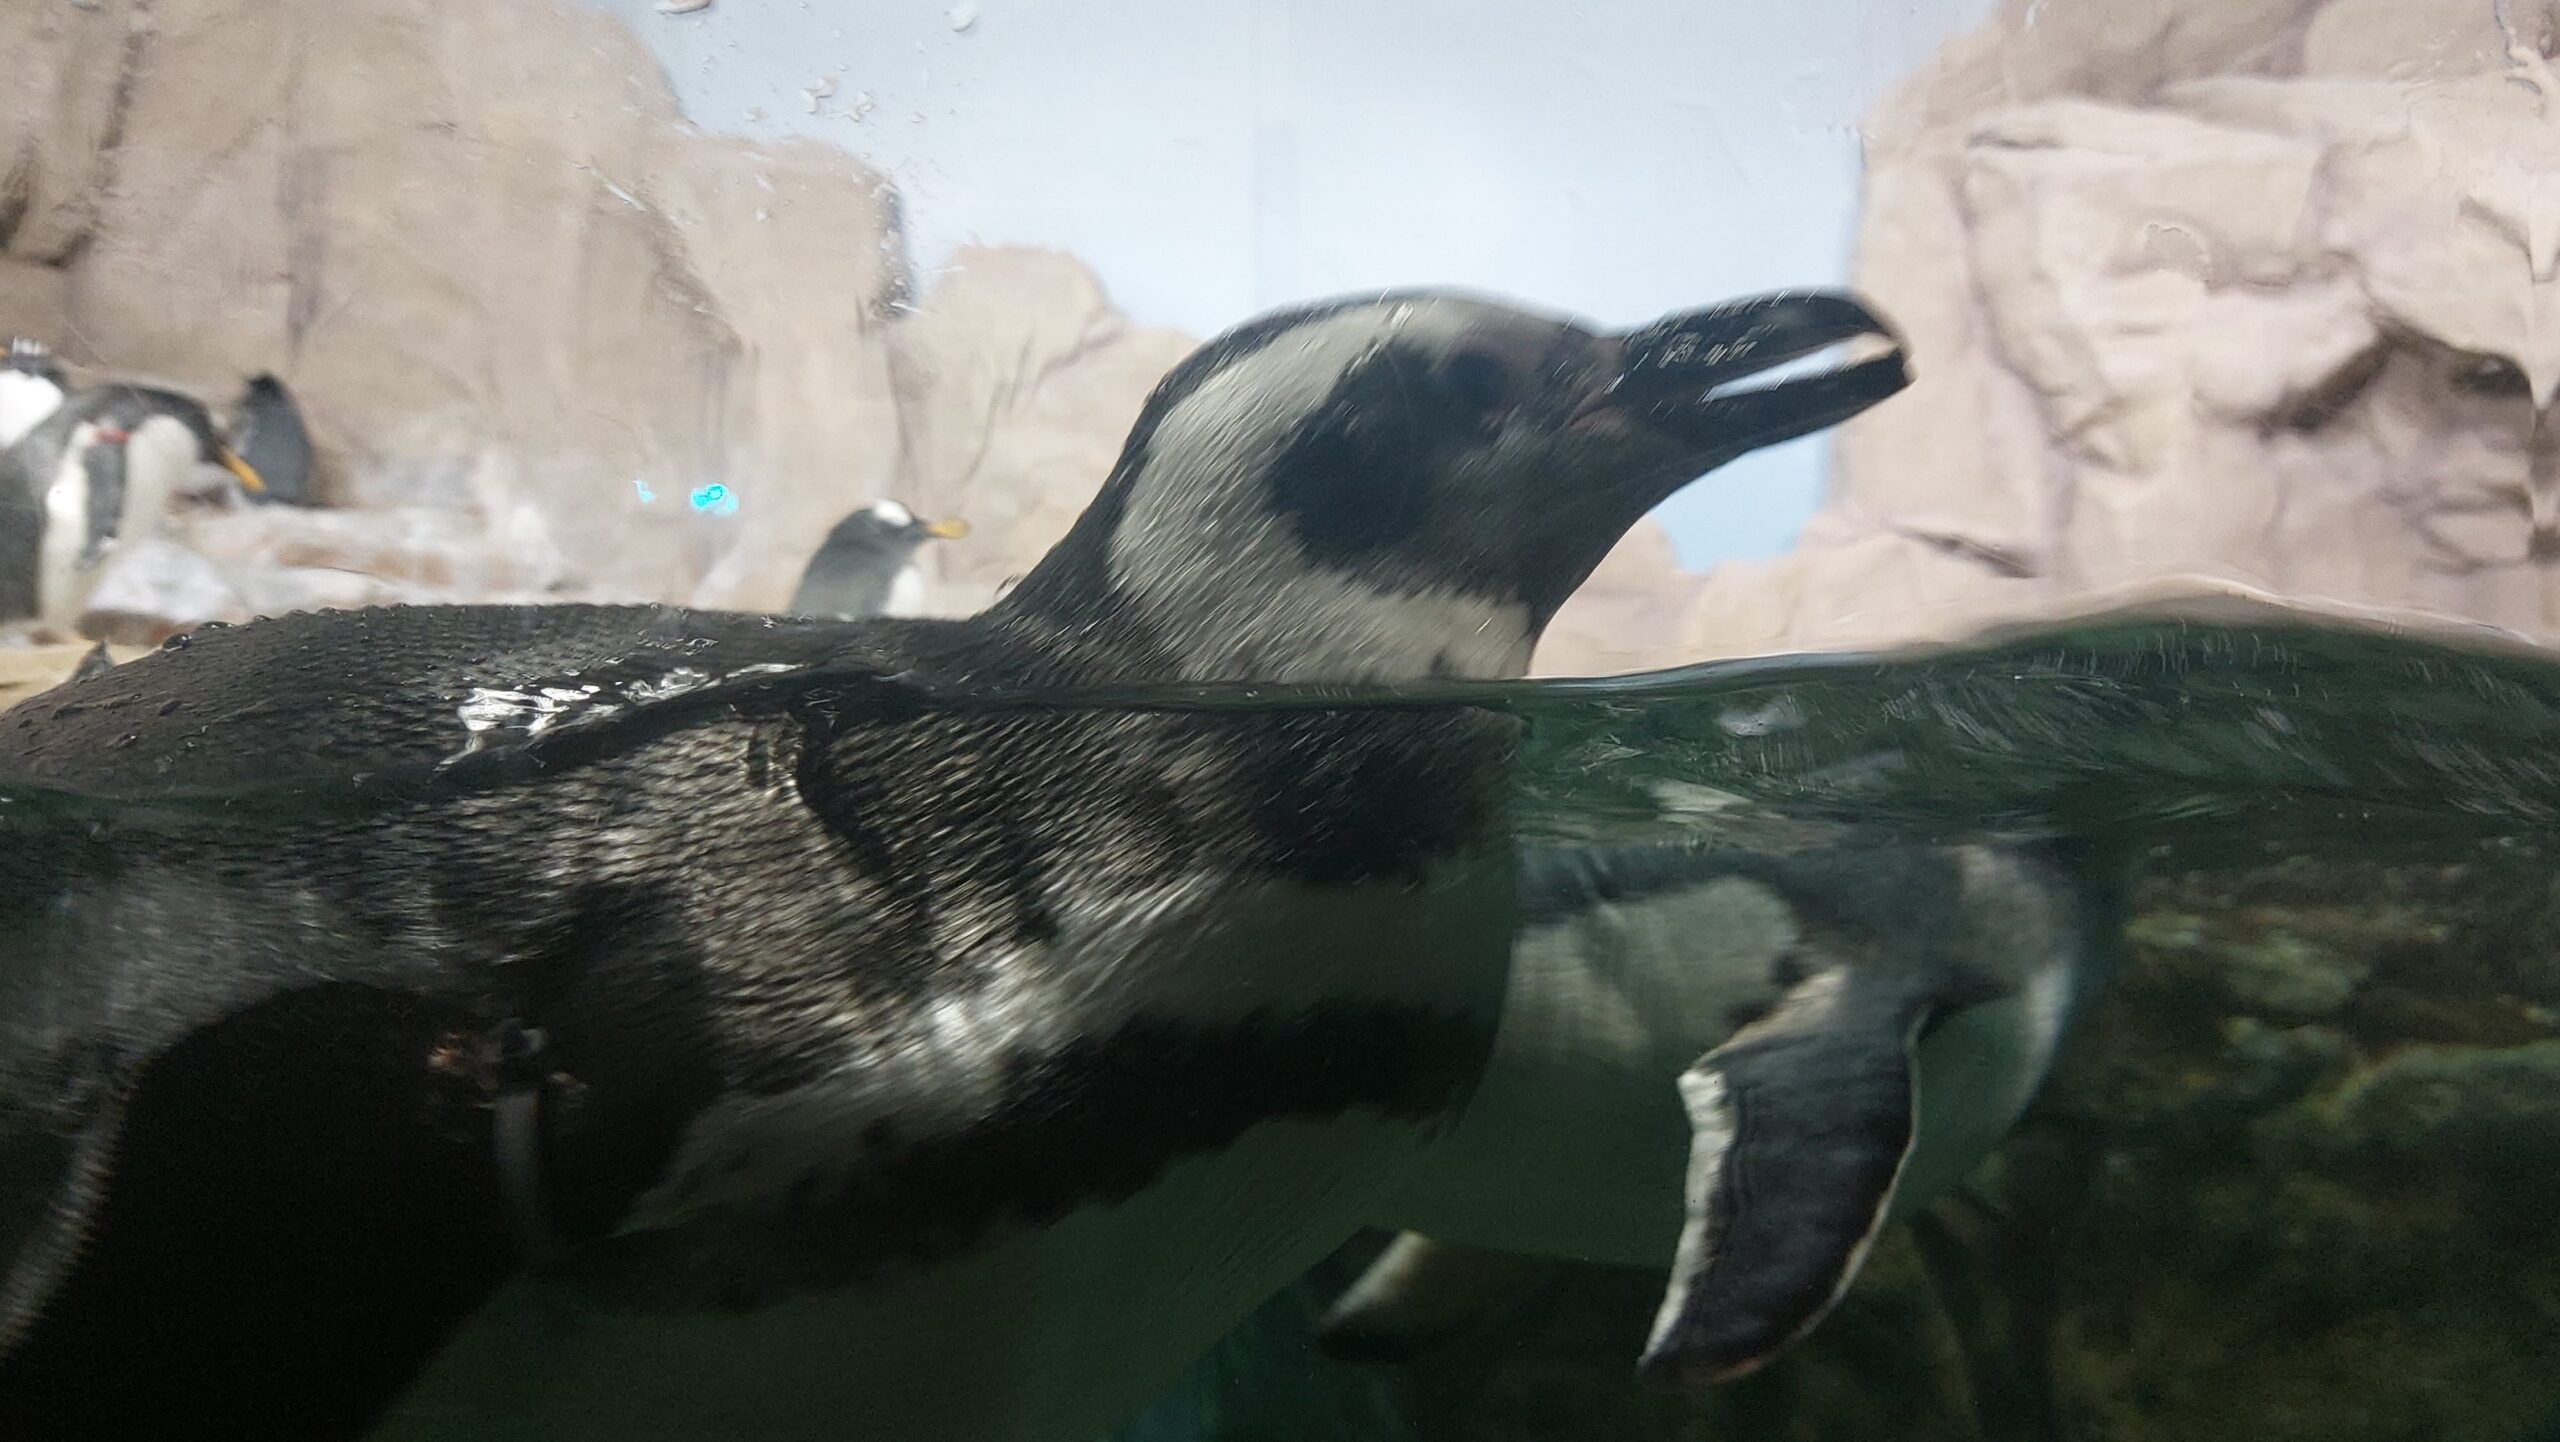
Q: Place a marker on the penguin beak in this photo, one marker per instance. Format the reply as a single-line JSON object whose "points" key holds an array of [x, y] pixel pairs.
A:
{"points": [[1680, 378], [248, 476], [951, 530]]}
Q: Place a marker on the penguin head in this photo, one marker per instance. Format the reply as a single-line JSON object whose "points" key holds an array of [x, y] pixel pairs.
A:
{"points": [[889, 530], [1411, 484], [854, 574], [175, 432]]}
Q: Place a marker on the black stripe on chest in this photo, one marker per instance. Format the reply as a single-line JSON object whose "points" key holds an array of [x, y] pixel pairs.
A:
{"points": [[1093, 1122]]}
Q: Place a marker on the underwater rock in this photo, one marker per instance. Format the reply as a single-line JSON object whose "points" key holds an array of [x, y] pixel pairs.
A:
{"points": [[2454, 1106], [2273, 972]]}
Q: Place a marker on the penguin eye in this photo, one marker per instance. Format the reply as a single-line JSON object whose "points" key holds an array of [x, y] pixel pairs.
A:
{"points": [[2490, 375], [1479, 379]]}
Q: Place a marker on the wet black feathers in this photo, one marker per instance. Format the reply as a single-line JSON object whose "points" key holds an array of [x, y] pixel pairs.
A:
{"points": [[368, 879]]}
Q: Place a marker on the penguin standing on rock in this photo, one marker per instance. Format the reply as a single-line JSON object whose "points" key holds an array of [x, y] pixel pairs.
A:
{"points": [[1853, 1025], [866, 566], [97, 473], [614, 1022], [267, 431]]}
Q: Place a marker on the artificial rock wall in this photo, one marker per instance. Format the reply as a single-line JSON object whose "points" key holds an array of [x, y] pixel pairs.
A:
{"points": [[532, 314], [2257, 289]]}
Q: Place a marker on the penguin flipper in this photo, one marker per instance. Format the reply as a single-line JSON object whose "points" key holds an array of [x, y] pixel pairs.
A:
{"points": [[1801, 1125], [1420, 1292]]}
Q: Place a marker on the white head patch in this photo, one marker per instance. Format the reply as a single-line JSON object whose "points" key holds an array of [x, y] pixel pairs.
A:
{"points": [[891, 513], [25, 400], [1237, 596]]}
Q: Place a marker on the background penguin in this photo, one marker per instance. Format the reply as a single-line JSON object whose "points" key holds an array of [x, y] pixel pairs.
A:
{"points": [[98, 472], [268, 433], [866, 566], [31, 388], [995, 1061]]}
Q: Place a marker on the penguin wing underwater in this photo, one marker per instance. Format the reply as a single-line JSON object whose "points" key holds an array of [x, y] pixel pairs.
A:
{"points": [[620, 1022], [269, 436], [1873, 1018]]}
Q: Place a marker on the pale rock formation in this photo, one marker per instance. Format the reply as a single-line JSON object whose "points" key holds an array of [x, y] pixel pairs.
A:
{"points": [[503, 277], [552, 343], [2256, 289]]}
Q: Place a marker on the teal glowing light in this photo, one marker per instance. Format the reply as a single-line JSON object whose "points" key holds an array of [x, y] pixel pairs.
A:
{"points": [[715, 498]]}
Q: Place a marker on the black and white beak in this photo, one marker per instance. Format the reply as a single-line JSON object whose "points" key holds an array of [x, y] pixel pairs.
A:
{"points": [[1689, 379]]}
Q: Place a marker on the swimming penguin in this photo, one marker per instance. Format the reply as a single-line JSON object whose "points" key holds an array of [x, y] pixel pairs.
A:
{"points": [[31, 388], [865, 567], [97, 473], [584, 1022], [268, 434], [1853, 1027]]}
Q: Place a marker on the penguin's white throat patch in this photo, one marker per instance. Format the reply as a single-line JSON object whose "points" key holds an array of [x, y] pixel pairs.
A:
{"points": [[1233, 596]]}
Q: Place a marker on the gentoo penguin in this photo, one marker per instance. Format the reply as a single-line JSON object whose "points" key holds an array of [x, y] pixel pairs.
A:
{"points": [[31, 388], [619, 1022], [866, 565], [1853, 1027], [268, 434], [97, 473]]}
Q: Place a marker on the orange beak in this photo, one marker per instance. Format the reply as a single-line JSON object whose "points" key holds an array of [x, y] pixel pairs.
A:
{"points": [[248, 475]]}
